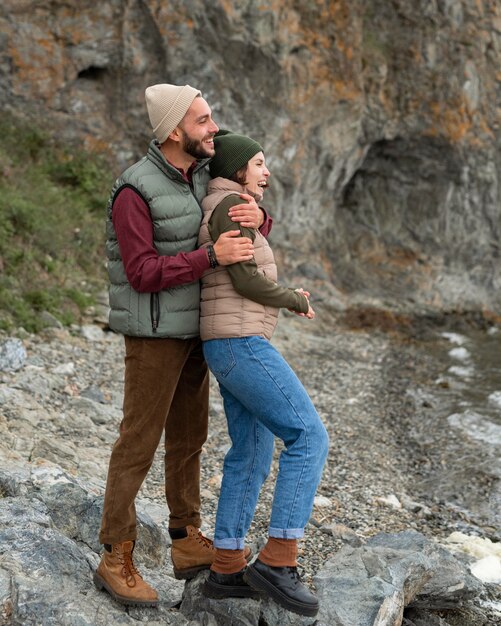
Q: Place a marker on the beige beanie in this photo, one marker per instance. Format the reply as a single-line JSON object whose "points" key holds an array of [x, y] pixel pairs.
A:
{"points": [[167, 105]]}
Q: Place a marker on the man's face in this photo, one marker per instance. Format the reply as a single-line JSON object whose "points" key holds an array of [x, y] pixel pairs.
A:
{"points": [[198, 130]]}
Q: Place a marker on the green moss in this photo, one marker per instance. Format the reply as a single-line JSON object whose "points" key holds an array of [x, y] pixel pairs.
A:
{"points": [[52, 206]]}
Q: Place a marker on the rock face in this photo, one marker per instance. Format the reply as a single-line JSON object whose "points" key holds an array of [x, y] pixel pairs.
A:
{"points": [[381, 120]]}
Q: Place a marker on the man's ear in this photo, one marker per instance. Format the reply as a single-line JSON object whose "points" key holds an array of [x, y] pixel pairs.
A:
{"points": [[175, 135]]}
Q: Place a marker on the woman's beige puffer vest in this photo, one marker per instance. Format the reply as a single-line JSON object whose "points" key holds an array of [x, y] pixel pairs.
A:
{"points": [[223, 312]]}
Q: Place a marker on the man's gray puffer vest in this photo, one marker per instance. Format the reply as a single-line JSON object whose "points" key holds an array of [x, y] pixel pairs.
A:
{"points": [[176, 216]]}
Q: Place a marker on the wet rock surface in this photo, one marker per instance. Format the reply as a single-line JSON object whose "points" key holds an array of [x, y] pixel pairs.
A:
{"points": [[377, 534]]}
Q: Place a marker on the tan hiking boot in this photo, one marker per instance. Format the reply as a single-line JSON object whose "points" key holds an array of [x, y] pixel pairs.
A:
{"points": [[118, 575], [194, 553], [191, 554]]}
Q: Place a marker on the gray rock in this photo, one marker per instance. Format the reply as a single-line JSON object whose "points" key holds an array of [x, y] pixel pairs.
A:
{"points": [[272, 613], [414, 617], [312, 271], [47, 564], [372, 584], [451, 583], [5, 596], [49, 321], [21, 512], [14, 477], [77, 515], [55, 451], [64, 369], [12, 355], [48, 573], [92, 333], [99, 413], [230, 612], [93, 393], [38, 497]]}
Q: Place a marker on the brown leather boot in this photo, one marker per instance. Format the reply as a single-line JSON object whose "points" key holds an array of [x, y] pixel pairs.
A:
{"points": [[118, 575], [194, 553], [191, 554]]}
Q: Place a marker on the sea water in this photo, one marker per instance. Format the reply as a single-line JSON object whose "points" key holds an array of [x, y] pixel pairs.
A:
{"points": [[474, 378]]}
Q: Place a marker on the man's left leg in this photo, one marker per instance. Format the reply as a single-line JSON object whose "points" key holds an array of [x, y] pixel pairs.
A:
{"points": [[185, 433]]}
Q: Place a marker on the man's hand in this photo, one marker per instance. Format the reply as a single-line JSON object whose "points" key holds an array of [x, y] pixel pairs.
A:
{"points": [[247, 214], [231, 247]]}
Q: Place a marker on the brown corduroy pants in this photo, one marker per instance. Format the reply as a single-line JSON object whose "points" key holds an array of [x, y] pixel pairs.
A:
{"points": [[166, 390]]}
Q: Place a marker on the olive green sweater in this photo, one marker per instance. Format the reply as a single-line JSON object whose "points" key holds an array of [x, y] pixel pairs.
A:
{"points": [[245, 277]]}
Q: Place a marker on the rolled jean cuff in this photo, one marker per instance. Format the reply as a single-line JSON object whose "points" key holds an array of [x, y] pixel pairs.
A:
{"points": [[286, 533], [237, 543]]}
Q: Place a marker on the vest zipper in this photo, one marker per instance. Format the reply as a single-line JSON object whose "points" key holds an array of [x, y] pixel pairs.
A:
{"points": [[154, 311]]}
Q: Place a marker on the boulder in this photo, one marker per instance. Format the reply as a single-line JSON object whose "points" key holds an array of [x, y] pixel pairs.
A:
{"points": [[372, 584]]}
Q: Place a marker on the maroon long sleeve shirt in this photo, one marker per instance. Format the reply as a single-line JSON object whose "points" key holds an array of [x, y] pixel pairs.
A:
{"points": [[146, 270]]}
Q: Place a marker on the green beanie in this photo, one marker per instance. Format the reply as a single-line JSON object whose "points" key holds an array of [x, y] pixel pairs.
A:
{"points": [[232, 153]]}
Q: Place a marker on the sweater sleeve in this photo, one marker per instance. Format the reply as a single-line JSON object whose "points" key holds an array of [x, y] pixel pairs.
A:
{"points": [[265, 227], [245, 276], [146, 270]]}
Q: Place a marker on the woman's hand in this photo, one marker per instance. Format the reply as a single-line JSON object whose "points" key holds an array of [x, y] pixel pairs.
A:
{"points": [[247, 214], [311, 313]]}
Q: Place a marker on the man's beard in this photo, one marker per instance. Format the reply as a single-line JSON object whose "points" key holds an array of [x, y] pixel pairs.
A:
{"points": [[196, 147]]}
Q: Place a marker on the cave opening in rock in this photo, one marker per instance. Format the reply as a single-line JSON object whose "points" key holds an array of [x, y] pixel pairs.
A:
{"points": [[93, 72]]}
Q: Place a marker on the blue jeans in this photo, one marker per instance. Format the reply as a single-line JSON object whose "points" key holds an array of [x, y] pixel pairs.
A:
{"points": [[263, 398]]}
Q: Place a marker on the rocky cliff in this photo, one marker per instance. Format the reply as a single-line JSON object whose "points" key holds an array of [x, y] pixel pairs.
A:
{"points": [[380, 118]]}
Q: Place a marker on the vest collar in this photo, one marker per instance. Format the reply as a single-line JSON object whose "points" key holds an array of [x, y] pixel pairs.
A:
{"points": [[155, 155], [225, 184]]}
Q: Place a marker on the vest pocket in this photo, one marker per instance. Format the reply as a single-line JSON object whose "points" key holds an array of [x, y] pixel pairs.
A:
{"points": [[154, 311]]}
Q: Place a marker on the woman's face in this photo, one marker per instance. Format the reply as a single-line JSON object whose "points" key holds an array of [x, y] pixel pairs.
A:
{"points": [[256, 177]]}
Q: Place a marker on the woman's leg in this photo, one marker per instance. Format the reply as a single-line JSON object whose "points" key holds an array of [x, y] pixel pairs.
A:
{"points": [[248, 461], [261, 381], [246, 467]]}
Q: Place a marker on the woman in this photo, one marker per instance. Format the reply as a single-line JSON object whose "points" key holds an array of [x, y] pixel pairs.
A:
{"points": [[262, 396]]}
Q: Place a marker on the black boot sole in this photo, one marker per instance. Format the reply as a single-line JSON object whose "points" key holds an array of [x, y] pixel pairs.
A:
{"points": [[264, 586], [214, 590]]}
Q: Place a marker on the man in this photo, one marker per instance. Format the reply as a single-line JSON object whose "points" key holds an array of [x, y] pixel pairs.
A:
{"points": [[154, 267]]}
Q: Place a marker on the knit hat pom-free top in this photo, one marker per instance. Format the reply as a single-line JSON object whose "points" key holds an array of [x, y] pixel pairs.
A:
{"points": [[233, 151], [167, 105]]}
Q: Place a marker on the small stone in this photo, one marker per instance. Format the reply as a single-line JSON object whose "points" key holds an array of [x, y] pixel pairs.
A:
{"points": [[322, 501], [12, 355], [340, 531], [66, 369], [391, 501], [49, 321], [92, 333], [94, 393], [215, 481]]}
